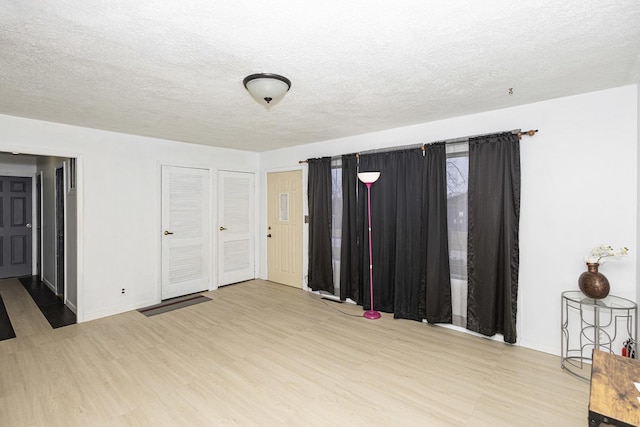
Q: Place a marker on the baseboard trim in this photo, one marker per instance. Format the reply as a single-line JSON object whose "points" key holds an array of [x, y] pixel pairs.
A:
{"points": [[117, 310]]}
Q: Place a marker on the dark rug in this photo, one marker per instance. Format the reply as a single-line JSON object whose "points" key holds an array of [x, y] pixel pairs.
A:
{"points": [[173, 304], [6, 329], [52, 307]]}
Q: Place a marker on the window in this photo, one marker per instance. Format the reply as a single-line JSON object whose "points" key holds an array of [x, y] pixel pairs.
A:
{"points": [[283, 211], [336, 220], [457, 219]]}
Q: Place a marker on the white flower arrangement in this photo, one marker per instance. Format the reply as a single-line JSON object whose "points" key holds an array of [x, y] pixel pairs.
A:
{"points": [[599, 254]]}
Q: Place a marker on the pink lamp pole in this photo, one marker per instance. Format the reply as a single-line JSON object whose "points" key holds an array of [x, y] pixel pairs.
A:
{"points": [[369, 178]]}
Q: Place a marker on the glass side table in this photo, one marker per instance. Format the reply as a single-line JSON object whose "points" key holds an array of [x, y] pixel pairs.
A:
{"points": [[594, 324]]}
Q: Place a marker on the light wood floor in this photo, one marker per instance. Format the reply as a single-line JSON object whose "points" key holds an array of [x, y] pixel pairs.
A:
{"points": [[267, 354]]}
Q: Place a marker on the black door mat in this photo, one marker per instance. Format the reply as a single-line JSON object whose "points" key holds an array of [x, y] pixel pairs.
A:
{"points": [[173, 304]]}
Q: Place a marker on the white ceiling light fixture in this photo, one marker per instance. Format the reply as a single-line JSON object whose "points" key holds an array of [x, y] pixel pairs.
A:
{"points": [[268, 89]]}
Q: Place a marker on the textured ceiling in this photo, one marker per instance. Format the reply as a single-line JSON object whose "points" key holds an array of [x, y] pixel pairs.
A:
{"points": [[173, 69]]}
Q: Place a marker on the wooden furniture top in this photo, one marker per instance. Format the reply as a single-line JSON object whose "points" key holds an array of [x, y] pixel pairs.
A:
{"points": [[613, 392]]}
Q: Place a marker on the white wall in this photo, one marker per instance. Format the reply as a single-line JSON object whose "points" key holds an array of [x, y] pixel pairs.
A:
{"points": [[579, 189], [119, 204]]}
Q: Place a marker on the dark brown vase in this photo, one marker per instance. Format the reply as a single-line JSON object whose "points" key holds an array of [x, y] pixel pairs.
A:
{"points": [[593, 283]]}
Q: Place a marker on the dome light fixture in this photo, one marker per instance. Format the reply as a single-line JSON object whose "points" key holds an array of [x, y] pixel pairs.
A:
{"points": [[267, 88]]}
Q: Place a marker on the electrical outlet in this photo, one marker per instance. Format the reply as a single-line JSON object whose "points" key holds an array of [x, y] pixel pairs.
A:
{"points": [[123, 291]]}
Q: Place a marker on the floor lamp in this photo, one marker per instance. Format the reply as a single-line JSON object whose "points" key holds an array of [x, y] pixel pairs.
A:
{"points": [[369, 178]]}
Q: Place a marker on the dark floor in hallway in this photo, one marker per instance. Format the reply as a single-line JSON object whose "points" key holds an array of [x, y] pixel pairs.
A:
{"points": [[6, 329], [52, 307]]}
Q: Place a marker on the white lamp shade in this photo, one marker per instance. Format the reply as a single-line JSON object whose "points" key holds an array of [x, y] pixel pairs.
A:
{"points": [[267, 89], [368, 177]]}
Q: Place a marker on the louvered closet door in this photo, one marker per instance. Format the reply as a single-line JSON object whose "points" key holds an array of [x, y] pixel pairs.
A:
{"points": [[236, 235], [185, 231]]}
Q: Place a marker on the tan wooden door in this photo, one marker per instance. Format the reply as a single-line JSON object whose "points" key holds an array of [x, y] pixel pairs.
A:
{"points": [[284, 228]]}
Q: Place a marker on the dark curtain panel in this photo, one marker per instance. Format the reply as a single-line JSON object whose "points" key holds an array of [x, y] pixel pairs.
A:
{"points": [[494, 216], [396, 217], [319, 192], [350, 285], [436, 302]]}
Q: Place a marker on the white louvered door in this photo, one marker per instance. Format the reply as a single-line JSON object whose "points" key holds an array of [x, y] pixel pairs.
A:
{"points": [[236, 236], [185, 231]]}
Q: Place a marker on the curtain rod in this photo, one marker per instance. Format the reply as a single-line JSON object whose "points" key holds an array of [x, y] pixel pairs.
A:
{"points": [[518, 132]]}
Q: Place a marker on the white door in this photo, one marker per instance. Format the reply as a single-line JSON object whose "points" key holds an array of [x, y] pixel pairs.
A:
{"points": [[236, 236], [185, 231], [284, 228]]}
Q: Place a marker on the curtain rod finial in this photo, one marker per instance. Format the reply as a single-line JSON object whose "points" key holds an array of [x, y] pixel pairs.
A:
{"points": [[530, 132]]}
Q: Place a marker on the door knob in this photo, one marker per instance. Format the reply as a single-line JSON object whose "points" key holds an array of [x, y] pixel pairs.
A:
{"points": [[166, 233], [222, 228], [28, 225], [269, 235]]}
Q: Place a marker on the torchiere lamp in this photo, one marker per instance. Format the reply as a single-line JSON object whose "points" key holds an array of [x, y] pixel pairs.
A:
{"points": [[369, 178]]}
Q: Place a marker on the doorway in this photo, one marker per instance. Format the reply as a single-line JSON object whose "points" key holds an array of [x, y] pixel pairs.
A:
{"points": [[44, 223], [284, 228]]}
